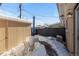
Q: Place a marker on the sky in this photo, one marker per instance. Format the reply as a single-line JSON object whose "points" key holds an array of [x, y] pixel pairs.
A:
{"points": [[45, 13]]}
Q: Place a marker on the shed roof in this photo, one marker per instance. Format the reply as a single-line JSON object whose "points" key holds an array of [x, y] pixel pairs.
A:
{"points": [[14, 19]]}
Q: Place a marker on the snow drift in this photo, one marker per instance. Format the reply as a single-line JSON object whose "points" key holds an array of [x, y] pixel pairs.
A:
{"points": [[39, 46]]}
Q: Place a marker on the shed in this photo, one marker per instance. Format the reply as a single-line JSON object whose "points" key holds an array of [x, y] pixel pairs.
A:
{"points": [[12, 32]]}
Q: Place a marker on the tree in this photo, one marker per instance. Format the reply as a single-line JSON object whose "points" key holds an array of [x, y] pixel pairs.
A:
{"points": [[57, 25]]}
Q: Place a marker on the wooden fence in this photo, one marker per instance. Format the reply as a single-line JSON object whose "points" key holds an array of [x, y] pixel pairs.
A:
{"points": [[51, 32], [12, 33]]}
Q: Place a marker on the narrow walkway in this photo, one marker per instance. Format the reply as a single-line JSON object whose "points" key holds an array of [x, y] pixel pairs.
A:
{"points": [[49, 50]]}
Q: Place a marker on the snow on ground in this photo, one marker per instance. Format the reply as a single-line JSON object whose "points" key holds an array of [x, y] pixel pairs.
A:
{"points": [[35, 48], [39, 50], [56, 45], [18, 50]]}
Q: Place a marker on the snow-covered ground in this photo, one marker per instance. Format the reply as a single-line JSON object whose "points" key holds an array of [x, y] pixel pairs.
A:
{"points": [[56, 45], [39, 50], [39, 46]]}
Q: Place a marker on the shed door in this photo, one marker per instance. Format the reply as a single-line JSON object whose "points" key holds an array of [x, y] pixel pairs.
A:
{"points": [[2, 39]]}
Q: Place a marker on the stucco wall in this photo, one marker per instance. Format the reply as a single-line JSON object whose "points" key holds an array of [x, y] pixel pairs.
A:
{"points": [[69, 25]]}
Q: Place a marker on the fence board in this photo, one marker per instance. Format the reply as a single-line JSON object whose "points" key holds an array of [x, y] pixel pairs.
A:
{"points": [[2, 39], [12, 37]]}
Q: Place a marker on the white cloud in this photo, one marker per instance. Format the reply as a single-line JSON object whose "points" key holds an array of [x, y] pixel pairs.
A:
{"points": [[41, 21], [44, 21], [6, 13]]}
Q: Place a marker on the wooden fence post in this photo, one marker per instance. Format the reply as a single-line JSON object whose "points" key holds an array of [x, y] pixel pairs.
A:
{"points": [[6, 35]]}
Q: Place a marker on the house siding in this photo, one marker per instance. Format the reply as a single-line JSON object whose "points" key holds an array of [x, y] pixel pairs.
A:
{"points": [[69, 25]]}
